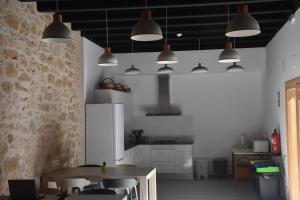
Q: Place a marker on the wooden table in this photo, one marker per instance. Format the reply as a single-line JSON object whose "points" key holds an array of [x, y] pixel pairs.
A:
{"points": [[88, 197], [241, 153], [145, 176]]}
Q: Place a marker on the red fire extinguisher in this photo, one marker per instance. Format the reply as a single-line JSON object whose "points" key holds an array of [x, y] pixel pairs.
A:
{"points": [[276, 150]]}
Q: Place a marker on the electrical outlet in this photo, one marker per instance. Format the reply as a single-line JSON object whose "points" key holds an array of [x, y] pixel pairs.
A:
{"points": [[52, 185], [54, 163]]}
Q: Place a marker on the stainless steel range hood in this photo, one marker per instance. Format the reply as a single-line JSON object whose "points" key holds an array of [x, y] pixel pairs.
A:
{"points": [[165, 108]]}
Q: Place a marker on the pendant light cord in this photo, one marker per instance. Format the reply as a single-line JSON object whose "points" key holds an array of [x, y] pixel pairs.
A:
{"points": [[131, 46], [234, 42], [166, 24], [228, 13], [106, 23], [56, 6]]}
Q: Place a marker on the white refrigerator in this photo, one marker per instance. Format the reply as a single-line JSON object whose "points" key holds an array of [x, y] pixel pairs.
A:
{"points": [[104, 134]]}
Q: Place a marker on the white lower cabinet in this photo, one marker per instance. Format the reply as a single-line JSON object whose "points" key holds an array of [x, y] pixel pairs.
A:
{"points": [[164, 167], [176, 159]]}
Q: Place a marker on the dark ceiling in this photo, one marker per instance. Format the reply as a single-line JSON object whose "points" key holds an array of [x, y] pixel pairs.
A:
{"points": [[204, 19]]}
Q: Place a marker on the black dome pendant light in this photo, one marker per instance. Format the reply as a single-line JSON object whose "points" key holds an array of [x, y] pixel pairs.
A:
{"points": [[199, 69], [146, 29], [57, 32]]}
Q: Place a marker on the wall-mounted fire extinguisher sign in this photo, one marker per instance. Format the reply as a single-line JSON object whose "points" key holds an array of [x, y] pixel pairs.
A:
{"points": [[275, 141]]}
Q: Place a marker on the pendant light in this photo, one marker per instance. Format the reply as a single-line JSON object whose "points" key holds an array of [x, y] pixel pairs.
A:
{"points": [[107, 58], [234, 68], [132, 70], [166, 56], [57, 32], [242, 24], [165, 70], [229, 55], [199, 68], [146, 29]]}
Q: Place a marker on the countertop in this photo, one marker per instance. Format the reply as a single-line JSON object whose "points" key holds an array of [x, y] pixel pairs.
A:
{"points": [[129, 146], [246, 151]]}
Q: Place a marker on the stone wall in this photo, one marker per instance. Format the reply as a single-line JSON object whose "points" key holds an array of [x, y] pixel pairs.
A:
{"points": [[39, 95]]}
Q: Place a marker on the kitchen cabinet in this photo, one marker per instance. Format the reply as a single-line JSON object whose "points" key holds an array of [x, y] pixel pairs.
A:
{"points": [[167, 159]]}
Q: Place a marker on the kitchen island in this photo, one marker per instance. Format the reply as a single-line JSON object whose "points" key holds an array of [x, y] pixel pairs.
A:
{"points": [[145, 176]]}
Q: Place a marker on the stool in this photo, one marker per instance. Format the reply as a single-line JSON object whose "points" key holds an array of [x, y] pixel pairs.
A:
{"points": [[201, 167]]}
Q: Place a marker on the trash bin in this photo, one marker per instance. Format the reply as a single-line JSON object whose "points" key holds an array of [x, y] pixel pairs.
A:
{"points": [[268, 186], [268, 180], [220, 167], [201, 167]]}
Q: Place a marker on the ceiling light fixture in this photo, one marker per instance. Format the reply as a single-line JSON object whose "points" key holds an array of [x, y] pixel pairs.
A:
{"points": [[107, 58], [57, 32], [229, 55], [132, 70], [234, 68], [242, 24], [199, 68], [166, 56], [179, 35], [146, 29], [165, 70]]}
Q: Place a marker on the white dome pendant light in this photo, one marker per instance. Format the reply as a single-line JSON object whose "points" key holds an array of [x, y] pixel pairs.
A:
{"points": [[199, 69], [166, 56], [234, 68], [146, 29], [57, 32], [229, 55], [132, 70], [242, 24], [107, 58]]}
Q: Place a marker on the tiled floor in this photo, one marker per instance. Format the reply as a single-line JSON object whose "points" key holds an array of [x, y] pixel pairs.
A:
{"points": [[211, 189]]}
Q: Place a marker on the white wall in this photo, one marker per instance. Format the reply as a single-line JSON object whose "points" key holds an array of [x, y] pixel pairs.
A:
{"points": [[91, 74], [282, 64], [222, 105]]}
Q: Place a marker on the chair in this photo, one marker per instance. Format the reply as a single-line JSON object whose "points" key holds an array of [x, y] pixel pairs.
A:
{"points": [[92, 186], [23, 190], [75, 185], [128, 184]]}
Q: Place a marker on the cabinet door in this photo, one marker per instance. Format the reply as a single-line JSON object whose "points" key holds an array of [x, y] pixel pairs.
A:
{"points": [[164, 167], [144, 155], [184, 167], [163, 155]]}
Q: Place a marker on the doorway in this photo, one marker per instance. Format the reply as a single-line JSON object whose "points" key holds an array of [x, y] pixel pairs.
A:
{"points": [[292, 89]]}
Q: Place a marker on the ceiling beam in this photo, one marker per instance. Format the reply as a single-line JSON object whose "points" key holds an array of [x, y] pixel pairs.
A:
{"points": [[96, 26], [80, 18], [64, 7]]}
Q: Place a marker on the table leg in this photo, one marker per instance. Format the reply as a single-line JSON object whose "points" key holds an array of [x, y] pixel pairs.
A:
{"points": [[235, 168], [152, 187], [143, 188]]}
